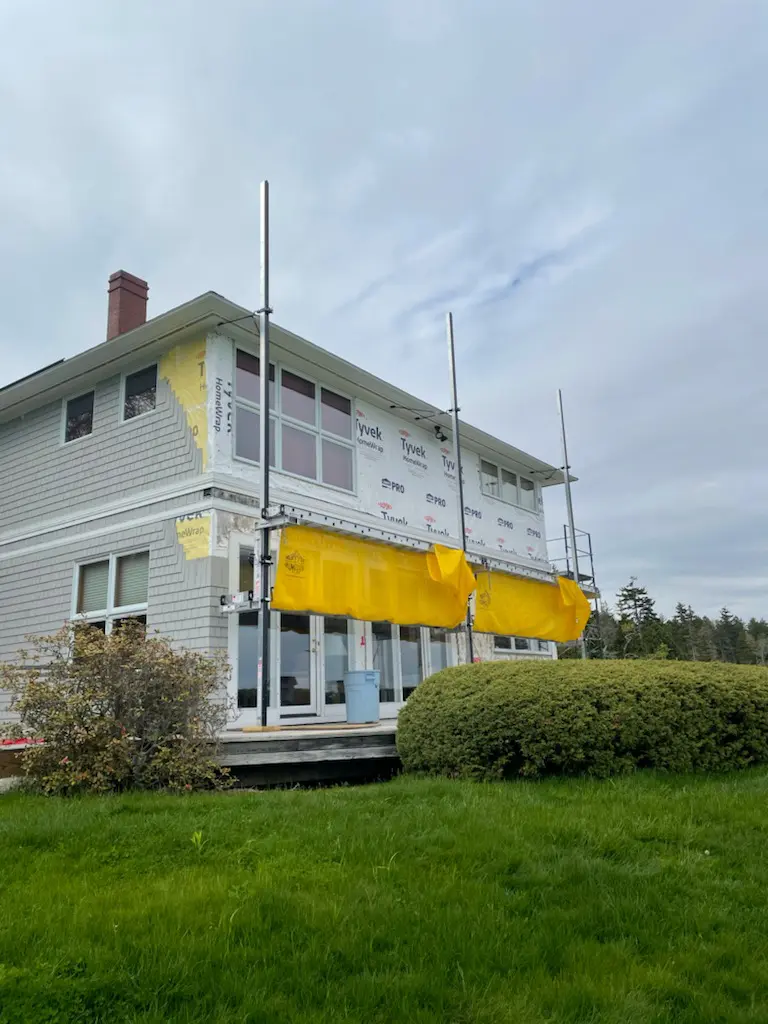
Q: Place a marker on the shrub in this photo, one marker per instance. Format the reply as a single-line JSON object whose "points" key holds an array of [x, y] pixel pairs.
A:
{"points": [[116, 712], [502, 719]]}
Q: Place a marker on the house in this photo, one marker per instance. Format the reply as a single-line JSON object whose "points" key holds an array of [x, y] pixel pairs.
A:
{"points": [[131, 490]]}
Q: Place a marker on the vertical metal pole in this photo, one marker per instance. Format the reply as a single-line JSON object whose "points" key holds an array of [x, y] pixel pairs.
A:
{"points": [[265, 560], [457, 460], [569, 504], [567, 552]]}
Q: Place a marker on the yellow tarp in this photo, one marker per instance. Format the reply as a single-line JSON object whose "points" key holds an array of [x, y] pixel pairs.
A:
{"points": [[330, 574], [511, 606]]}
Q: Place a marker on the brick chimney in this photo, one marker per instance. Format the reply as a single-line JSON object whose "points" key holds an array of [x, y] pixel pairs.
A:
{"points": [[127, 303]]}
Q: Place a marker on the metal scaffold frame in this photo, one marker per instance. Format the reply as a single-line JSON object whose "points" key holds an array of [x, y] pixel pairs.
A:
{"points": [[283, 515]]}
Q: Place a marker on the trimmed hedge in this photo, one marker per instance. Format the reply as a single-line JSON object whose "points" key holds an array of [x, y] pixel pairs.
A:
{"points": [[504, 719]]}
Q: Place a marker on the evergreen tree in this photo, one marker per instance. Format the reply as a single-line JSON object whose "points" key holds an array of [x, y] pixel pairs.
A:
{"points": [[640, 628]]}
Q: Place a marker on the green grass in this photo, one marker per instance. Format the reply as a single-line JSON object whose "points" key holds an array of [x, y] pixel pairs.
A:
{"points": [[416, 900]]}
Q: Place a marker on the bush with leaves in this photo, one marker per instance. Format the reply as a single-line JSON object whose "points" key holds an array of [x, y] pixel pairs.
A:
{"points": [[117, 712], [506, 718]]}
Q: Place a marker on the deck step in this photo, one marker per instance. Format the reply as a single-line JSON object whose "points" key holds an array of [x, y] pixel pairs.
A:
{"points": [[286, 757]]}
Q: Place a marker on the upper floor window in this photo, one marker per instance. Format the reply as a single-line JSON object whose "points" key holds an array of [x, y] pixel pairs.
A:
{"points": [[506, 485], [78, 421], [311, 432], [520, 643], [112, 589], [140, 392]]}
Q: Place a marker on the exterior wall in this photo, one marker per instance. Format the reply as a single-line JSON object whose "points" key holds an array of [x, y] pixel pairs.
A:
{"points": [[44, 478], [404, 477], [36, 588], [485, 650]]}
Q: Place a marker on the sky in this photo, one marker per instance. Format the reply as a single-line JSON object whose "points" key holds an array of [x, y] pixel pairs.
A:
{"points": [[585, 187]]}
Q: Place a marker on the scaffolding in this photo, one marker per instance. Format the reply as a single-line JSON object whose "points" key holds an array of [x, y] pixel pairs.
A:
{"points": [[586, 562]]}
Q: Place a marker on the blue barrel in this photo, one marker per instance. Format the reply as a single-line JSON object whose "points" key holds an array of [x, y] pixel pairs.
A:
{"points": [[362, 693]]}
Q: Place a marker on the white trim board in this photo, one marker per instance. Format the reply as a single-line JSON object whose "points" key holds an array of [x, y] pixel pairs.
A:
{"points": [[129, 504], [166, 515]]}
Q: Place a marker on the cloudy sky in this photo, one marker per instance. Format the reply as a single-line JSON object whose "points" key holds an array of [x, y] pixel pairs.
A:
{"points": [[585, 185]]}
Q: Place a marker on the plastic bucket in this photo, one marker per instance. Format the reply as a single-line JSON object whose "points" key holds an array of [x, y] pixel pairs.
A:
{"points": [[362, 695]]}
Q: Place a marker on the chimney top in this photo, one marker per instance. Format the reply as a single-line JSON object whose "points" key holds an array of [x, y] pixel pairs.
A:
{"points": [[127, 303]]}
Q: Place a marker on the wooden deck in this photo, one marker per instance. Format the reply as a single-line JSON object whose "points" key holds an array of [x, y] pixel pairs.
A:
{"points": [[291, 755], [311, 753]]}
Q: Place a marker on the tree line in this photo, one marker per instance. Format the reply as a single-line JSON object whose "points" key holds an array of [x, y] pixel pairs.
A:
{"points": [[634, 629]]}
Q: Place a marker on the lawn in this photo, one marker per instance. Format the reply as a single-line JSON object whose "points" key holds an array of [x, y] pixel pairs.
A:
{"points": [[636, 901]]}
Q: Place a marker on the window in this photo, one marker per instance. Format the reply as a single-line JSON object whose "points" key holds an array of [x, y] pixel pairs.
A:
{"points": [[439, 649], [528, 494], [543, 645], [248, 379], [299, 452], [337, 465], [503, 483], [508, 486], [312, 431], [117, 624], [248, 434], [410, 658], [297, 398], [521, 644], [78, 418], [246, 569], [405, 655], [384, 658], [113, 589], [335, 658], [502, 643], [248, 659], [489, 478], [336, 413], [140, 393], [132, 580], [94, 586]]}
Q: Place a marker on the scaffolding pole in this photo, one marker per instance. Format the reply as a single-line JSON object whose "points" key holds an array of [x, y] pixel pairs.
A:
{"points": [[569, 505], [265, 560], [457, 460]]}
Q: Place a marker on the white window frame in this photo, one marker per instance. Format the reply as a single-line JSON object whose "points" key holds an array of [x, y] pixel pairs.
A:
{"points": [[279, 417], [112, 613], [130, 373], [518, 490], [388, 708], [63, 429]]}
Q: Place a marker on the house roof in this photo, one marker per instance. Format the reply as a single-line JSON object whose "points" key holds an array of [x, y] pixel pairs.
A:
{"points": [[210, 312]]}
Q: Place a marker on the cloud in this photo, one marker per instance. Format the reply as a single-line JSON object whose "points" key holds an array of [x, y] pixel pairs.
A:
{"points": [[584, 188]]}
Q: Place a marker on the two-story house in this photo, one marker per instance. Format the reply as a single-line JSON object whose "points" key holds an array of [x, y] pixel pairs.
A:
{"points": [[130, 488]]}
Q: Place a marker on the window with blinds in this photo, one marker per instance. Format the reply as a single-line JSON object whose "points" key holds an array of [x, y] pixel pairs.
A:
{"points": [[132, 580], [94, 585], [113, 589]]}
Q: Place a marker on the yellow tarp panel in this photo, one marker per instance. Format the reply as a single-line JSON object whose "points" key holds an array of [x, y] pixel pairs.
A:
{"points": [[330, 574], [511, 606]]}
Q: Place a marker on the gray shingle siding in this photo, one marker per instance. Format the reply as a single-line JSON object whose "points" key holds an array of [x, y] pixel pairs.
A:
{"points": [[43, 478], [183, 600]]}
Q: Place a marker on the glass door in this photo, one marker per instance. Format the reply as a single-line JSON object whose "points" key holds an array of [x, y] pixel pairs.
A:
{"points": [[411, 658], [383, 647], [405, 656], [335, 644], [248, 662], [297, 669]]}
